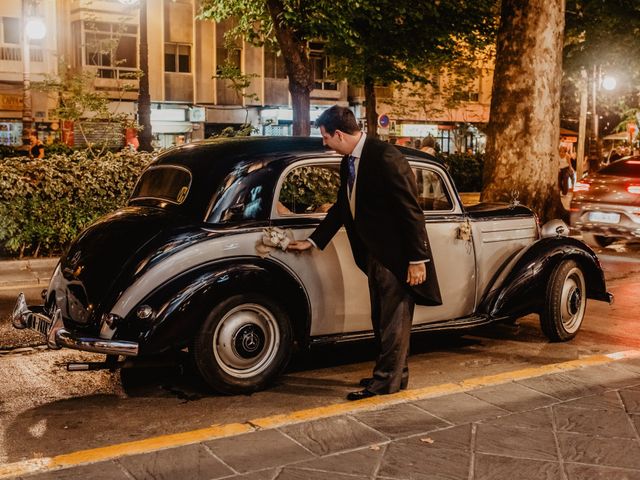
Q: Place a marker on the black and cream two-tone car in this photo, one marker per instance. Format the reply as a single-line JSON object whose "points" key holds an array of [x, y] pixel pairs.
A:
{"points": [[187, 265]]}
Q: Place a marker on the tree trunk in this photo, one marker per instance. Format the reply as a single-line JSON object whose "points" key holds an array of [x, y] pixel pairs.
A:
{"points": [[524, 126], [370, 102], [144, 98], [298, 67]]}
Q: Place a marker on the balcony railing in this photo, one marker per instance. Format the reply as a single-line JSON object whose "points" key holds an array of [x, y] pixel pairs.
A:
{"points": [[14, 54]]}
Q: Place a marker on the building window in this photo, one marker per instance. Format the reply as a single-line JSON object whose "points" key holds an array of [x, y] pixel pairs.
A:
{"points": [[274, 65], [321, 67], [110, 46], [177, 57], [228, 51], [11, 30], [466, 96]]}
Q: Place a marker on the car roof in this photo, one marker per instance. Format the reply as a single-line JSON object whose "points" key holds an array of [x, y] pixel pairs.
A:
{"points": [[214, 163], [228, 152]]}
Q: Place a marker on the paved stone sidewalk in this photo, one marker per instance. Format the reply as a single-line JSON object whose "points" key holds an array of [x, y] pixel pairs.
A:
{"points": [[578, 424]]}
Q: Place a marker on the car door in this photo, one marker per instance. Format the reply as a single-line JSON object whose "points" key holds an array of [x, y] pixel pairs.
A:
{"points": [[337, 288], [452, 248]]}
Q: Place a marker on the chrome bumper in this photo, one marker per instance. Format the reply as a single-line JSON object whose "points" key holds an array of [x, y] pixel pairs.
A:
{"points": [[52, 328]]}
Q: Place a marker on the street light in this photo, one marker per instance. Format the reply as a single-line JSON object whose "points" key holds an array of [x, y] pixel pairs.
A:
{"points": [[33, 29], [609, 82]]}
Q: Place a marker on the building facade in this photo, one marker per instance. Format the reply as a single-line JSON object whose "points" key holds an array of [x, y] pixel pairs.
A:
{"points": [[25, 60], [189, 100]]}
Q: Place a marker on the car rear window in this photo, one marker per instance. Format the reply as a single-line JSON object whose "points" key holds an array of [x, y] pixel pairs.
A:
{"points": [[164, 182], [623, 168]]}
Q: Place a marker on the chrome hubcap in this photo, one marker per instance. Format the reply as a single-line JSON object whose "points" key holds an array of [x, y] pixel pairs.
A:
{"points": [[246, 340], [573, 301]]}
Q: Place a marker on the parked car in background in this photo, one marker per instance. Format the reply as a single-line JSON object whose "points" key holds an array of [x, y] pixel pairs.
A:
{"points": [[605, 206], [184, 265]]}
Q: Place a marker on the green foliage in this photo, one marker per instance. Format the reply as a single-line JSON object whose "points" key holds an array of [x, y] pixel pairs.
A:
{"points": [[466, 171], [605, 35], [306, 189], [244, 130], [9, 151], [403, 40], [57, 148], [45, 203], [79, 102]]}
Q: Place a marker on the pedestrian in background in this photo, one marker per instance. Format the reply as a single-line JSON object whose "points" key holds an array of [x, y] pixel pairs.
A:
{"points": [[377, 204], [36, 147], [565, 173], [429, 146]]}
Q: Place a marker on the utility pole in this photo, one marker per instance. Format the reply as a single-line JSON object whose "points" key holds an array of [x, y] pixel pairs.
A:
{"points": [[27, 113], [144, 98], [582, 126]]}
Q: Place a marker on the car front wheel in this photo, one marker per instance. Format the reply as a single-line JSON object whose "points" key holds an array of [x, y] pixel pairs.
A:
{"points": [[597, 241], [565, 302], [244, 343]]}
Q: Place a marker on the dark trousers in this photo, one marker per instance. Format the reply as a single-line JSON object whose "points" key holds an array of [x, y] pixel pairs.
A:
{"points": [[391, 315]]}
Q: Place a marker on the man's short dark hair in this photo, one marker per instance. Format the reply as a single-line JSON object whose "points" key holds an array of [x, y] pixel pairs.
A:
{"points": [[338, 118]]}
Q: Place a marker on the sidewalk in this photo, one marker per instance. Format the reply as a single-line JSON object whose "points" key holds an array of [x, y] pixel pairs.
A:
{"points": [[575, 420]]}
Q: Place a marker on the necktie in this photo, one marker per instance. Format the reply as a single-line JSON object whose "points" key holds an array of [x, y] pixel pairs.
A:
{"points": [[351, 162]]}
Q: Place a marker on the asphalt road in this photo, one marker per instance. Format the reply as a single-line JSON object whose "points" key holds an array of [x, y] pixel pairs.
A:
{"points": [[45, 410]]}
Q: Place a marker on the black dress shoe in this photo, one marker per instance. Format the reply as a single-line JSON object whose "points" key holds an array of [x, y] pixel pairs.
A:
{"points": [[360, 394], [365, 382]]}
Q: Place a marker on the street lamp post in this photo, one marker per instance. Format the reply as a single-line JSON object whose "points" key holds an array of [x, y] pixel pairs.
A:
{"points": [[144, 98], [598, 80], [32, 29]]}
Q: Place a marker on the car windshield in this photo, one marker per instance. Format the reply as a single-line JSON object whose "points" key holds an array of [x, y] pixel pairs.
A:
{"points": [[623, 168], [164, 182]]}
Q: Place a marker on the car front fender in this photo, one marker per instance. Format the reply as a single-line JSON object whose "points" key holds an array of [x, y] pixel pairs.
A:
{"points": [[184, 303], [520, 286]]}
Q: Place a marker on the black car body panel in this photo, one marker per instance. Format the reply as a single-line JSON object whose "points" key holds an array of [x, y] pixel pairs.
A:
{"points": [[520, 286]]}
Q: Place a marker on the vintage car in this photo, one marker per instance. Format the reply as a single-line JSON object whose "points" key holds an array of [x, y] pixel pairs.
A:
{"points": [[186, 265]]}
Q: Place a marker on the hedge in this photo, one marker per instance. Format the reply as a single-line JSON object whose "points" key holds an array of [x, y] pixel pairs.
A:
{"points": [[466, 170], [45, 203]]}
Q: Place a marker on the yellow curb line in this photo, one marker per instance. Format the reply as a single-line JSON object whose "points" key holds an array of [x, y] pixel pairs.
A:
{"points": [[39, 465]]}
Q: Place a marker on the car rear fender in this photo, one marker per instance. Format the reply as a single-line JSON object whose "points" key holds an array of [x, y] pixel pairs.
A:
{"points": [[184, 303], [520, 286]]}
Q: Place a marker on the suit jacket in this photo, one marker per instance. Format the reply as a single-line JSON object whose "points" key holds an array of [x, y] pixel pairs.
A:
{"points": [[389, 223]]}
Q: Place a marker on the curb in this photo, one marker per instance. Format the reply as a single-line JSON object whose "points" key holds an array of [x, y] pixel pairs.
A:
{"points": [[163, 442], [26, 273]]}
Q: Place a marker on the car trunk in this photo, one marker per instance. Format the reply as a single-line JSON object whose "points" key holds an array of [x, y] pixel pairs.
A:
{"points": [[610, 189], [88, 275]]}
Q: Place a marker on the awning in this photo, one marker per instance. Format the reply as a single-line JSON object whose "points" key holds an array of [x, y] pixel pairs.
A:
{"points": [[565, 132], [621, 136], [171, 127]]}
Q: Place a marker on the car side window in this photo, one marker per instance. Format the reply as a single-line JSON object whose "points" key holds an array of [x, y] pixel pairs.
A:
{"points": [[432, 191], [309, 189]]}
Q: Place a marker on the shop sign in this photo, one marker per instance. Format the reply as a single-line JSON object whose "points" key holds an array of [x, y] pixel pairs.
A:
{"points": [[197, 114], [418, 130], [11, 102], [168, 115]]}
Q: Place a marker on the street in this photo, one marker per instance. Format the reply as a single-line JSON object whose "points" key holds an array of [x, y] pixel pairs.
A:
{"points": [[46, 411]]}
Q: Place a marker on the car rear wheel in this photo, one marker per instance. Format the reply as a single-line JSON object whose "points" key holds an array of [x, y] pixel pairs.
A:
{"points": [[597, 241], [565, 302], [244, 343]]}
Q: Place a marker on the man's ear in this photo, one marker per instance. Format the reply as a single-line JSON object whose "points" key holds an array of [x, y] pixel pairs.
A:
{"points": [[339, 134]]}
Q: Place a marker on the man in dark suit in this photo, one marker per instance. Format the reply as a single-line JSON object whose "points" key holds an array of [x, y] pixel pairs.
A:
{"points": [[377, 204]]}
